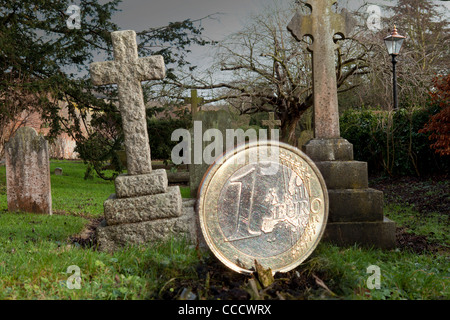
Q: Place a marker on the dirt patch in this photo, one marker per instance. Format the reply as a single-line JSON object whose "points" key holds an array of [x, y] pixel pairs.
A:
{"points": [[87, 238], [426, 194], [217, 282], [413, 242]]}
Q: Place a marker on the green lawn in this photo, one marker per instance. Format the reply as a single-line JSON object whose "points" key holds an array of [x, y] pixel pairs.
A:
{"points": [[71, 193], [35, 257], [36, 252], [74, 195], [404, 274]]}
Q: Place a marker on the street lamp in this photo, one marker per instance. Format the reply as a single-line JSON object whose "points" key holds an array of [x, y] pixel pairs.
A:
{"points": [[393, 44]]}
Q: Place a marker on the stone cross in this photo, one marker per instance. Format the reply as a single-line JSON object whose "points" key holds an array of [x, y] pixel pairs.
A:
{"points": [[271, 123], [322, 25], [194, 101], [127, 71]]}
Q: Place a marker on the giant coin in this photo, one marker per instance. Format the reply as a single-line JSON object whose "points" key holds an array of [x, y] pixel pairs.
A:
{"points": [[263, 201]]}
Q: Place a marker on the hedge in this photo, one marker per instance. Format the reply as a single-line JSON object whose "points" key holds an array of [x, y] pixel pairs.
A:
{"points": [[390, 141]]}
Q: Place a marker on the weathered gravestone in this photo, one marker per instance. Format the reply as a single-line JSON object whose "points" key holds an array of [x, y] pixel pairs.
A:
{"points": [[194, 101], [144, 208], [271, 123], [203, 121], [355, 211], [28, 172], [231, 135]]}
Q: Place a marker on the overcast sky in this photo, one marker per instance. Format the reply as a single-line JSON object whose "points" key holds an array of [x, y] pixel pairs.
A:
{"points": [[139, 15], [143, 14]]}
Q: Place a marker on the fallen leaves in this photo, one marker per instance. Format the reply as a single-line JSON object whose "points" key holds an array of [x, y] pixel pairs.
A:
{"points": [[264, 276]]}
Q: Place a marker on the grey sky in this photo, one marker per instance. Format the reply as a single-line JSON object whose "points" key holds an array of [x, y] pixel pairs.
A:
{"points": [[139, 15], [143, 14]]}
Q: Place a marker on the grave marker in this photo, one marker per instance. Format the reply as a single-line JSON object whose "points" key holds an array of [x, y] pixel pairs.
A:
{"points": [[127, 71], [271, 123], [220, 120], [194, 101], [28, 172], [322, 25], [355, 210], [144, 207]]}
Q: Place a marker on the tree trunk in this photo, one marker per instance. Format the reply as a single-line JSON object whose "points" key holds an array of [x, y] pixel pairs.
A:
{"points": [[291, 117], [288, 125]]}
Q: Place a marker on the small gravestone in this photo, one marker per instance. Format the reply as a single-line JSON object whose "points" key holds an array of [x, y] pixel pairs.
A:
{"points": [[28, 172], [305, 136], [271, 123], [194, 101], [58, 171], [203, 121]]}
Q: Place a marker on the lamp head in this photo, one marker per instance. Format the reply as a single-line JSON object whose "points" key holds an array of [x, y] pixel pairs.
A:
{"points": [[394, 42]]}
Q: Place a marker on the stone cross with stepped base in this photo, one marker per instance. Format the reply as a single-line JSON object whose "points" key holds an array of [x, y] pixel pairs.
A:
{"points": [[355, 210], [144, 208]]}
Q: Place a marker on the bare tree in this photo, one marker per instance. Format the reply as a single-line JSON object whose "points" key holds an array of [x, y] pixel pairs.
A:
{"points": [[263, 68], [425, 54]]}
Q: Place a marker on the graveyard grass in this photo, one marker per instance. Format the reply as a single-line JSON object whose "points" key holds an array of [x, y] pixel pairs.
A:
{"points": [[36, 251]]}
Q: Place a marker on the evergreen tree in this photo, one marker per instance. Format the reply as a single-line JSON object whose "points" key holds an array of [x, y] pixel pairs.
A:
{"points": [[43, 61]]}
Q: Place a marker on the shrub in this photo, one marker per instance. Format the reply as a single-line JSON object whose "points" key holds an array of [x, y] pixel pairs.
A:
{"points": [[391, 142], [439, 124], [160, 133]]}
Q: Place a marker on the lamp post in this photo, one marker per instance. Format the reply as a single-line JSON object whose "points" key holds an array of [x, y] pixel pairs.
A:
{"points": [[393, 44]]}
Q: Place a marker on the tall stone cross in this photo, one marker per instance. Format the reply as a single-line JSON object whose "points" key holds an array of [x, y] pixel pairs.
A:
{"points": [[322, 24], [127, 71], [271, 123]]}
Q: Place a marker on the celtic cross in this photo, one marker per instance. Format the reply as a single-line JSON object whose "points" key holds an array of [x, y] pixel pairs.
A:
{"points": [[322, 25]]}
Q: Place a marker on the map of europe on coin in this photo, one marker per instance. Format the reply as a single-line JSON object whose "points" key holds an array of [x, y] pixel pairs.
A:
{"points": [[264, 201]]}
